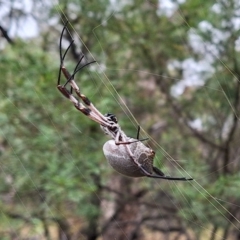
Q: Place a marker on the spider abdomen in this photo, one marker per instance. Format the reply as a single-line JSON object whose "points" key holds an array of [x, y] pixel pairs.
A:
{"points": [[125, 158]]}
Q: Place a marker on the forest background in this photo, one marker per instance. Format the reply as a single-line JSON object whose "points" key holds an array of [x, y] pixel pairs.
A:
{"points": [[171, 68]]}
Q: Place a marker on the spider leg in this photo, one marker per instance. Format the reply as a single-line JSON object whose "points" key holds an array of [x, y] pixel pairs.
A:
{"points": [[66, 73], [77, 69], [158, 171], [160, 174], [170, 178], [89, 104], [138, 133], [122, 142], [79, 106], [62, 56], [70, 79], [90, 110]]}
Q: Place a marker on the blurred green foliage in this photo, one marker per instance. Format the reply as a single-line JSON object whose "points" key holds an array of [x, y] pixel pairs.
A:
{"points": [[53, 172]]}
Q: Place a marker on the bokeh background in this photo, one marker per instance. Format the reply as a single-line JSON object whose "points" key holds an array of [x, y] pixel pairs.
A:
{"points": [[171, 67]]}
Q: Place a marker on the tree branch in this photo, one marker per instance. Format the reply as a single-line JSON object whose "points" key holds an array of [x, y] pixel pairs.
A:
{"points": [[179, 112], [236, 73], [5, 35]]}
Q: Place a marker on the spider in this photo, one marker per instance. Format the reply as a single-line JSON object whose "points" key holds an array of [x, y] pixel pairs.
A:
{"points": [[128, 156]]}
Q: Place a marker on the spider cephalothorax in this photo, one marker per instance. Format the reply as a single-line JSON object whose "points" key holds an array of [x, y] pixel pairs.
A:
{"points": [[129, 156], [112, 130], [111, 117]]}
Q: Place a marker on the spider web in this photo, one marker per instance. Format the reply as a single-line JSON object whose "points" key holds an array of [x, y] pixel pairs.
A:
{"points": [[189, 199]]}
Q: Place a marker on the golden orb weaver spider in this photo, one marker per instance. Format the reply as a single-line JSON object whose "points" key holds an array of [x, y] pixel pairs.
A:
{"points": [[128, 156]]}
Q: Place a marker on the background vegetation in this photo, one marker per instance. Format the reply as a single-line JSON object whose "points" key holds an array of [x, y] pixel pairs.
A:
{"points": [[55, 181]]}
